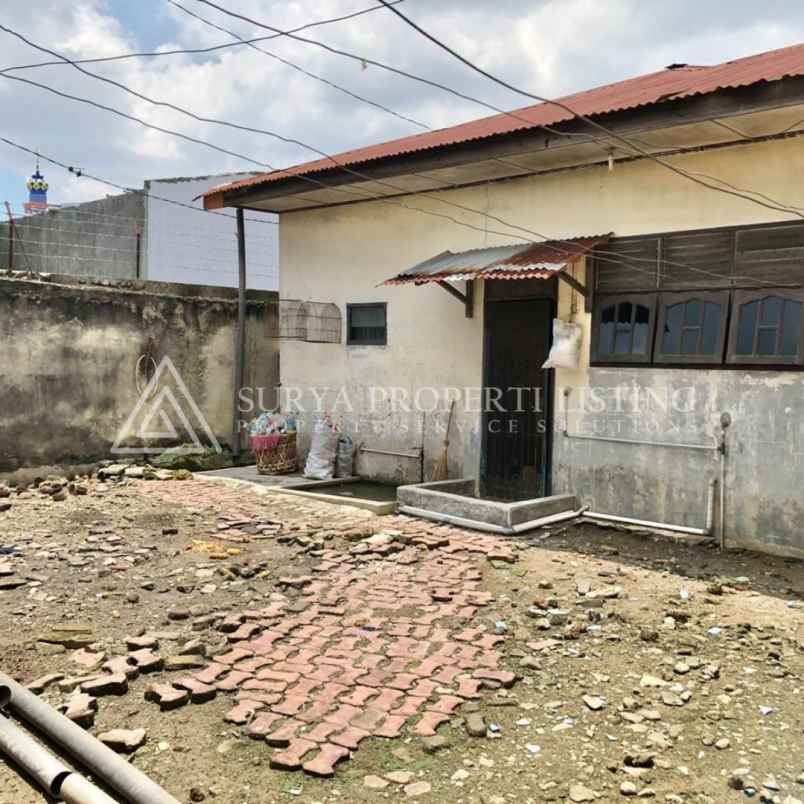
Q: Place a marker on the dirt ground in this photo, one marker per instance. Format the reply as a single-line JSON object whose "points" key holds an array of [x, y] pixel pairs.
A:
{"points": [[627, 665]]}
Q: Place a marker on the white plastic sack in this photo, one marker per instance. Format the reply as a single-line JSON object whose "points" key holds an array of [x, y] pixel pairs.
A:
{"points": [[566, 349], [321, 459]]}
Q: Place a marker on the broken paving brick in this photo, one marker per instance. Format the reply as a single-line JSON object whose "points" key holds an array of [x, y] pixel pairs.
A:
{"points": [[167, 696], [281, 737], [291, 758], [243, 712], [184, 662], [147, 661], [89, 660], [323, 764], [38, 686], [262, 725], [428, 723], [81, 709], [504, 677], [124, 665], [112, 684], [199, 692], [141, 642], [211, 673], [124, 741], [350, 737]]}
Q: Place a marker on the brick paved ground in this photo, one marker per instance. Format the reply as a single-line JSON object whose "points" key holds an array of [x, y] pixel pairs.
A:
{"points": [[382, 639]]}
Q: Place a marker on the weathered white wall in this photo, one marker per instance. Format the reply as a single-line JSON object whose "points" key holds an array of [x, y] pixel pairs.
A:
{"points": [[340, 255], [187, 247]]}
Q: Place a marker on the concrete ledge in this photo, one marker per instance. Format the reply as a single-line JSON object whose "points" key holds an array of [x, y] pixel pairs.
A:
{"points": [[455, 499], [374, 506]]}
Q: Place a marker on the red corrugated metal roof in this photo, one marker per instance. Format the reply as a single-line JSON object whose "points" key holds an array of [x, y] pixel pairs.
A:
{"points": [[679, 82], [519, 261]]}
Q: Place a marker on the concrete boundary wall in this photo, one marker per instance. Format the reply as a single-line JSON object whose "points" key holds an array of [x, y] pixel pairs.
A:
{"points": [[76, 355]]}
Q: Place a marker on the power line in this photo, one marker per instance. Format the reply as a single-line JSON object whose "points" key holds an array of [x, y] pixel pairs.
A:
{"points": [[212, 49], [577, 115], [308, 179], [71, 169], [609, 134], [323, 80]]}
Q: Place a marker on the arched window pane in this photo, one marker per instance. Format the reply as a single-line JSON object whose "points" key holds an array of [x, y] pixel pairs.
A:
{"points": [[692, 315], [711, 328], [771, 311], [671, 338], [766, 341], [791, 331], [606, 334], [746, 327], [641, 329], [625, 313]]}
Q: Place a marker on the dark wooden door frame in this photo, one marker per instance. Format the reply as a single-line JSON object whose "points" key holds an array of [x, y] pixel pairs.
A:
{"points": [[549, 386]]}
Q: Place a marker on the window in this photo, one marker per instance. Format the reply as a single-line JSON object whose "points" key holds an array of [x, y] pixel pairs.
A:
{"points": [[691, 327], [624, 329], [715, 297], [767, 328], [367, 324]]}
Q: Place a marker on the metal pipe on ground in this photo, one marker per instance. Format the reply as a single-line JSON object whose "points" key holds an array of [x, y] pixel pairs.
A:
{"points": [[644, 523], [133, 785], [55, 778]]}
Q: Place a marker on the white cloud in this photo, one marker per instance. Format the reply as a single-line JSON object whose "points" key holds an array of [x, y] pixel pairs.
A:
{"points": [[550, 47]]}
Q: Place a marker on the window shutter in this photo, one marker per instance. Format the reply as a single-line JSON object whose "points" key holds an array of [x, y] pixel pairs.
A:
{"points": [[773, 255], [627, 263], [697, 259]]}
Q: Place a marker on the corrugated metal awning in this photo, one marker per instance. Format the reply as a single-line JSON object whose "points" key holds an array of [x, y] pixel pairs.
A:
{"points": [[519, 261]]}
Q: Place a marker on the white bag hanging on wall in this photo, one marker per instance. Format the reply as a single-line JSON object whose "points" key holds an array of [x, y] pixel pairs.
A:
{"points": [[566, 349]]}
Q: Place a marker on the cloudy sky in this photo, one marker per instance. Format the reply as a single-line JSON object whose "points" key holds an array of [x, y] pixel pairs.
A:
{"points": [[551, 47]]}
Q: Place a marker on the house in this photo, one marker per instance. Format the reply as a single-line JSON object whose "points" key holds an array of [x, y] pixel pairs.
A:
{"points": [[673, 237], [158, 233]]}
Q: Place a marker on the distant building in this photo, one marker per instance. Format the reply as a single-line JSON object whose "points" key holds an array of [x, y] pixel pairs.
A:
{"points": [[160, 233], [37, 193]]}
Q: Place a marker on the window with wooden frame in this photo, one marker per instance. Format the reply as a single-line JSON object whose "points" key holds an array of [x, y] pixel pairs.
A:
{"points": [[624, 328], [767, 328], [691, 327], [367, 324], [716, 297]]}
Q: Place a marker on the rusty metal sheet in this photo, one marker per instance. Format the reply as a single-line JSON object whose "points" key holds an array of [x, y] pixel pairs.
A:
{"points": [[677, 81], [517, 261]]}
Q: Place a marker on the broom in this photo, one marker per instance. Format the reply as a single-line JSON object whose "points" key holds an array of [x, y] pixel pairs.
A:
{"points": [[441, 470]]}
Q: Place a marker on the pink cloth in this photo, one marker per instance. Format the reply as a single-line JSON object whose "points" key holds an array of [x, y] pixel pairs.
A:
{"points": [[261, 443]]}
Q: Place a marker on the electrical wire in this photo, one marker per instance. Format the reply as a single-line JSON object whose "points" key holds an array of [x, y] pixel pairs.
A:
{"points": [[108, 183], [296, 67], [214, 48], [311, 180], [575, 114], [267, 133]]}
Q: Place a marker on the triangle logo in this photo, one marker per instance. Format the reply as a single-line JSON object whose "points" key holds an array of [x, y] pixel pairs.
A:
{"points": [[164, 410]]}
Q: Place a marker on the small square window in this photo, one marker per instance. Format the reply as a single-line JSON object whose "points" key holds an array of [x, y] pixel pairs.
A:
{"points": [[367, 324]]}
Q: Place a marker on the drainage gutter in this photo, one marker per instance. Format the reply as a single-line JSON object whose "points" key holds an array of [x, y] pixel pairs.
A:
{"points": [[474, 524], [132, 785]]}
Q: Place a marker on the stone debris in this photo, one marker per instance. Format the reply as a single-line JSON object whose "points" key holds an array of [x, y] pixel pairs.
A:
{"points": [[124, 741], [81, 709], [386, 629]]}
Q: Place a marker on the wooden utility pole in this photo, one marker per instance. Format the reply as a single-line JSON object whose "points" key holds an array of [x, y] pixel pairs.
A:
{"points": [[240, 352]]}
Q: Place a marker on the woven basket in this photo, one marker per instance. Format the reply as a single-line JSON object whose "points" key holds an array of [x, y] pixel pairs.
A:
{"points": [[277, 459]]}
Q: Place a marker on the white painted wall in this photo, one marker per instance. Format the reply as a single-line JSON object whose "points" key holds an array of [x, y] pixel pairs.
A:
{"points": [[192, 248], [341, 254]]}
